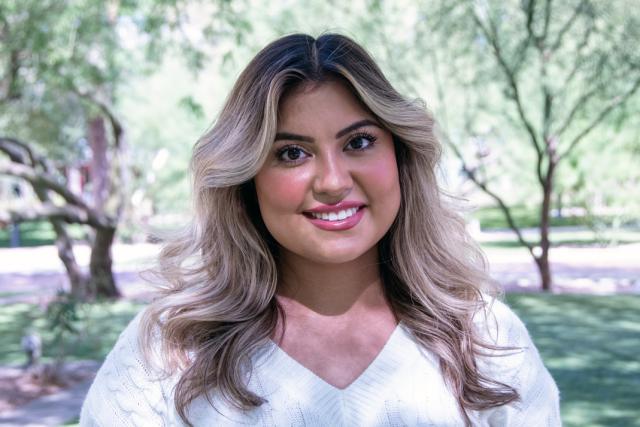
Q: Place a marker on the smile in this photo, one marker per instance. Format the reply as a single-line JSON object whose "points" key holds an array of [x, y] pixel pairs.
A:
{"points": [[334, 216], [338, 220]]}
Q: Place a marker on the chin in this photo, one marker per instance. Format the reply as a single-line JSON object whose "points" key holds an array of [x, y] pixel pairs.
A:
{"points": [[333, 255]]}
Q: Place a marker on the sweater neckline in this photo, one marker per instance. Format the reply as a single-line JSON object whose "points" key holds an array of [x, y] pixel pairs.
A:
{"points": [[299, 378]]}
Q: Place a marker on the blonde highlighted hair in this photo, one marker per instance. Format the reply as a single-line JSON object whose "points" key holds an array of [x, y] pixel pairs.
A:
{"points": [[217, 306]]}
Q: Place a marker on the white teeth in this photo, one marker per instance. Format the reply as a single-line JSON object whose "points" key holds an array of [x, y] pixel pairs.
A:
{"points": [[335, 216]]}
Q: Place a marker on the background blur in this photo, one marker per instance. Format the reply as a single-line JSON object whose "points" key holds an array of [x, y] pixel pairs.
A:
{"points": [[537, 104]]}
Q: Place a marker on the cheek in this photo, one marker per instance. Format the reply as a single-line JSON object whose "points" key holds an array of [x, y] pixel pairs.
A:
{"points": [[280, 191], [382, 180]]}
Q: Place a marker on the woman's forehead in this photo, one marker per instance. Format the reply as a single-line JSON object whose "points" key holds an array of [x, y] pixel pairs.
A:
{"points": [[322, 100]]}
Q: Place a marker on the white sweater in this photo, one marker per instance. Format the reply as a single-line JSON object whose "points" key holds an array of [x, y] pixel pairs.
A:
{"points": [[403, 386]]}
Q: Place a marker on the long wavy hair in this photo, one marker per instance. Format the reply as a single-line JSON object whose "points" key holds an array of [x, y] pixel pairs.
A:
{"points": [[217, 304]]}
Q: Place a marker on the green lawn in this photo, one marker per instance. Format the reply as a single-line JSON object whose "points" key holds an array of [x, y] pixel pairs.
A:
{"points": [[569, 237], [99, 326], [493, 217], [38, 233], [591, 345]]}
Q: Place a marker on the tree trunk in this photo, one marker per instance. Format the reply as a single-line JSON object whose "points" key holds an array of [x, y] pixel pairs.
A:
{"points": [[542, 260], [78, 280], [99, 162], [103, 283]]}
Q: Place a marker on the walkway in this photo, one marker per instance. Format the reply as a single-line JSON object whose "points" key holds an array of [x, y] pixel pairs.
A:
{"points": [[54, 409], [36, 274]]}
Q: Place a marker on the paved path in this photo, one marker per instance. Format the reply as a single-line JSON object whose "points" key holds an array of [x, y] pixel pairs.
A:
{"points": [[597, 270], [53, 410], [36, 274]]}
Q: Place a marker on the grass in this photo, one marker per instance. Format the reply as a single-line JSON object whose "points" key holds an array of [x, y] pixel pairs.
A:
{"points": [[99, 325], [569, 237], [38, 233], [527, 217], [590, 345], [493, 217]]}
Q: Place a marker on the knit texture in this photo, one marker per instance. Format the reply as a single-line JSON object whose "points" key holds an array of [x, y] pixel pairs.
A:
{"points": [[403, 386]]}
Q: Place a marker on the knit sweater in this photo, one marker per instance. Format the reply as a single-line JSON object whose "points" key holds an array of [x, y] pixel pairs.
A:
{"points": [[403, 386]]}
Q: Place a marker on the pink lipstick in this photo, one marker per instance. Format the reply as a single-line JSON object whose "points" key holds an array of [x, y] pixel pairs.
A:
{"points": [[339, 217]]}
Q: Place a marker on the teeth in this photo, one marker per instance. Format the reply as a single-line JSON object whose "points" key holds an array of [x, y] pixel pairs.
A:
{"points": [[335, 216]]}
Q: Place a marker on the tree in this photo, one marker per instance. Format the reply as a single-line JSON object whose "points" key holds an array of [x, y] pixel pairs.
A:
{"points": [[561, 69], [61, 66], [54, 53]]}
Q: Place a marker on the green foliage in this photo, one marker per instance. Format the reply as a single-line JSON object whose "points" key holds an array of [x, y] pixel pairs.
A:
{"points": [[62, 319], [39, 233], [590, 345], [60, 59], [571, 237], [492, 218], [97, 327]]}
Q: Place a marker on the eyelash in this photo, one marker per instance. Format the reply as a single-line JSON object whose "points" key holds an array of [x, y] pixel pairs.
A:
{"points": [[370, 138]]}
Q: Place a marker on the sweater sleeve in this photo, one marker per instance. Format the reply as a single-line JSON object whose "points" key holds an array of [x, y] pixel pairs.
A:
{"points": [[125, 391], [521, 368]]}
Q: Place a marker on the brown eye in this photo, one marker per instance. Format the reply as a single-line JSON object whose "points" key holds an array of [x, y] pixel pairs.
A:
{"points": [[361, 141], [291, 153]]}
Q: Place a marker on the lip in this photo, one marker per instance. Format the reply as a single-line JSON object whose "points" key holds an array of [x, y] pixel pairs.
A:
{"points": [[341, 225], [345, 204]]}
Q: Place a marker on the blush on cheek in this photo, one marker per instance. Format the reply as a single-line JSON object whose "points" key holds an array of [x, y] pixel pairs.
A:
{"points": [[281, 193], [384, 172]]}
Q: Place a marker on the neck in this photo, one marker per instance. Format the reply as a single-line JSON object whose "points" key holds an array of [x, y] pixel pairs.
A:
{"points": [[342, 289]]}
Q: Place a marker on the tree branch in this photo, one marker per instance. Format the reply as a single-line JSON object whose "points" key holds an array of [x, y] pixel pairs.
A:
{"points": [[579, 58], [567, 26], [470, 173], [18, 151], [114, 122], [615, 103], [41, 180], [513, 85], [48, 212], [579, 105], [547, 20]]}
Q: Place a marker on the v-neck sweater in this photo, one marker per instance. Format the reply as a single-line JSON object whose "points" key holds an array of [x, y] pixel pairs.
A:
{"points": [[403, 386]]}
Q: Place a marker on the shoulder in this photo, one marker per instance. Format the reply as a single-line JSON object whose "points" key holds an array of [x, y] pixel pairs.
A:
{"points": [[510, 345], [126, 390], [516, 362], [498, 325]]}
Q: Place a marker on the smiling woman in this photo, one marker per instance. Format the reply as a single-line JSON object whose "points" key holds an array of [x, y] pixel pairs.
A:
{"points": [[337, 196], [324, 280]]}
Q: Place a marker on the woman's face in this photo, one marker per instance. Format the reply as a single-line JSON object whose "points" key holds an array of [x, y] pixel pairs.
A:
{"points": [[329, 189]]}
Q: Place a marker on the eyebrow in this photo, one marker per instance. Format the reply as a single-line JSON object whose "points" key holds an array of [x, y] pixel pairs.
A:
{"points": [[341, 133]]}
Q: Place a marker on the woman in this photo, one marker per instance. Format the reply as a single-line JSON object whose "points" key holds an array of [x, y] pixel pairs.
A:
{"points": [[323, 280]]}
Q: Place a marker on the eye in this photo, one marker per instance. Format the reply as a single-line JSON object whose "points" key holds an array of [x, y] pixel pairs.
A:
{"points": [[360, 142], [291, 154]]}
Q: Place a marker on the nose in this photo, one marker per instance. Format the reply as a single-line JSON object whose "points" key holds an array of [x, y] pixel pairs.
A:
{"points": [[332, 181]]}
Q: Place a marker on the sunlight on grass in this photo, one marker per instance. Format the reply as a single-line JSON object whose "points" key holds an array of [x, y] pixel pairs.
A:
{"points": [[590, 344], [564, 237], [99, 326]]}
